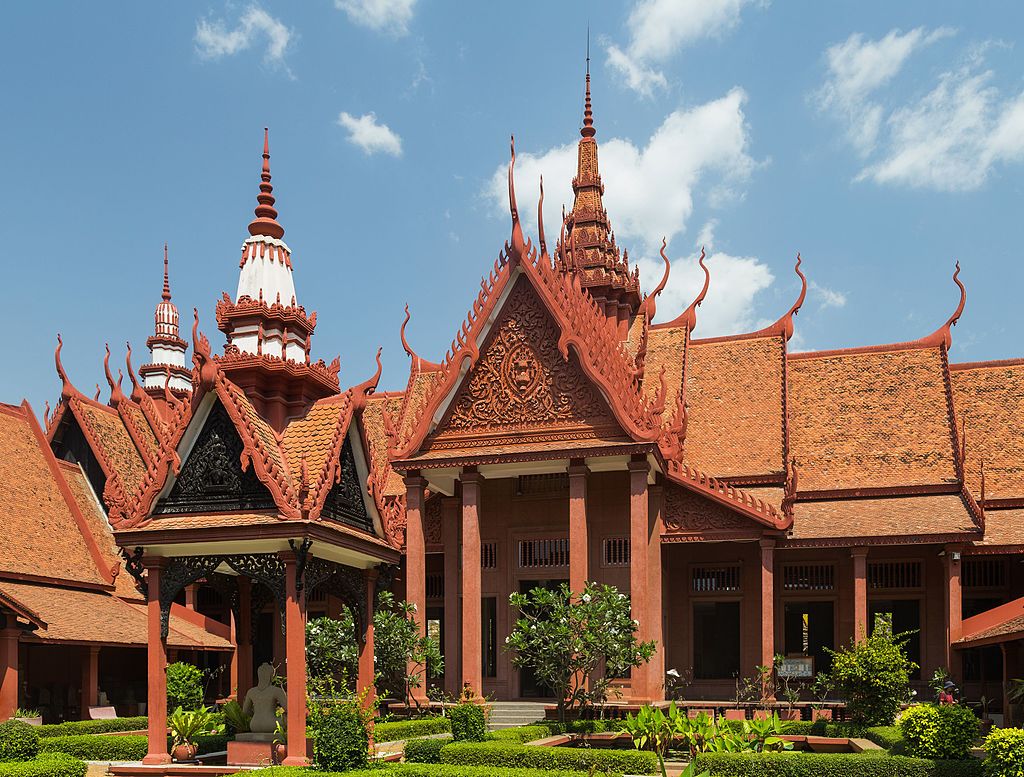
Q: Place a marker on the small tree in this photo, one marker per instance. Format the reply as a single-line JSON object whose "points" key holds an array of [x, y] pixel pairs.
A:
{"points": [[576, 643], [184, 686], [401, 655], [873, 676], [332, 651]]}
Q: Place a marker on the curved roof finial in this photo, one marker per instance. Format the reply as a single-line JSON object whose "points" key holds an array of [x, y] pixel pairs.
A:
{"points": [[116, 394], [518, 242], [418, 363], [136, 389], [67, 389], [367, 387], [167, 281], [785, 324], [943, 335], [688, 317], [649, 305], [540, 219], [265, 222]]}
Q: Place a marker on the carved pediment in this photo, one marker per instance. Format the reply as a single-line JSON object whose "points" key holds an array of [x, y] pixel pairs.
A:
{"points": [[689, 513], [345, 500], [212, 478], [522, 384]]}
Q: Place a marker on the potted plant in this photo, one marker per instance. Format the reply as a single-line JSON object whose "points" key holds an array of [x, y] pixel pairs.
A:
{"points": [[185, 728], [32, 717], [280, 748], [821, 688]]}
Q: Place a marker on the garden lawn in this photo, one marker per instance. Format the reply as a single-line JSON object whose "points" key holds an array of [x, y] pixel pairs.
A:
{"points": [[426, 770], [803, 764]]}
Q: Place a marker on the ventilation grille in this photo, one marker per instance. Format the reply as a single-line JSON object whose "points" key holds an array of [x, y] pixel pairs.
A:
{"points": [[542, 485], [489, 555], [435, 586], [615, 551], [534, 554], [715, 579], [808, 577], [983, 573], [894, 574]]}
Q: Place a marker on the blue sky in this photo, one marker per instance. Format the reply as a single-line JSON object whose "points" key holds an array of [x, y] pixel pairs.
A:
{"points": [[881, 140]]}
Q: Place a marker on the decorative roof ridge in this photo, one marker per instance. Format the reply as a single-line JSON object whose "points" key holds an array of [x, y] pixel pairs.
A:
{"points": [[982, 365], [260, 246], [941, 337], [958, 447], [418, 363], [688, 318], [246, 305], [976, 507], [649, 304], [725, 494]]}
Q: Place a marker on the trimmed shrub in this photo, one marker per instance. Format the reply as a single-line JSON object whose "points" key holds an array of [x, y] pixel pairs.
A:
{"points": [[889, 737], [498, 754], [873, 675], [804, 764], [98, 747], [208, 743], [422, 770], [469, 722], [939, 731], [408, 729], [184, 686], [520, 734], [425, 751], [341, 740], [18, 741], [45, 765], [93, 726], [1004, 753], [582, 726]]}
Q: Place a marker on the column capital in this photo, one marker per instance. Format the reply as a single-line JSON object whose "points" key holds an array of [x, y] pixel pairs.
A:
{"points": [[577, 468], [154, 562], [767, 543], [371, 574], [289, 557], [471, 476], [415, 481], [639, 465], [859, 552]]}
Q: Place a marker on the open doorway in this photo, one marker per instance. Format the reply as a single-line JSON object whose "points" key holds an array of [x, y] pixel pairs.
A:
{"points": [[529, 686]]}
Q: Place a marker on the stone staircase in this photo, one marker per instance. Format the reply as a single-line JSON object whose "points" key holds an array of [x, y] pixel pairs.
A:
{"points": [[506, 714]]}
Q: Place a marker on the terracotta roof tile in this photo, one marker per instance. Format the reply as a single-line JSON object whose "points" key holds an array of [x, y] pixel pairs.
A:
{"points": [[117, 447], [145, 431], [734, 393], [1012, 628], [883, 517], [313, 436], [665, 348], [990, 400], [1004, 527], [41, 534], [870, 419], [377, 441]]}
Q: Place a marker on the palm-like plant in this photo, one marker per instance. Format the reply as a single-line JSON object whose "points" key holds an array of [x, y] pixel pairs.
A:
{"points": [[186, 726]]}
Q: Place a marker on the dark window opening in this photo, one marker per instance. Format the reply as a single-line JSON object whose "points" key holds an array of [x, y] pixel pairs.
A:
{"points": [[810, 631], [489, 629], [716, 640], [984, 665], [902, 616]]}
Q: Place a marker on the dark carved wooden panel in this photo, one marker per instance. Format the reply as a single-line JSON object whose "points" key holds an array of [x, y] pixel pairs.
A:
{"points": [[212, 478], [345, 501]]}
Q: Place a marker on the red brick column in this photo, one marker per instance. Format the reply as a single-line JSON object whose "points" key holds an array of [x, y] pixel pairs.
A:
{"points": [[767, 602], [860, 593], [954, 608], [366, 667], [579, 544], [295, 662], [639, 528], [243, 639], [156, 700], [450, 537], [9, 671], [416, 565], [90, 679], [655, 617], [472, 647]]}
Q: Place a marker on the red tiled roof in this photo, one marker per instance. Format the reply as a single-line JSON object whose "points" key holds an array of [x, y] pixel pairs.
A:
{"points": [[942, 514], [375, 433], [989, 401], [870, 419], [1003, 527], [117, 449]]}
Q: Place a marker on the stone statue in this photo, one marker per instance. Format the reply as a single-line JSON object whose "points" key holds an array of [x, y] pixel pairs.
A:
{"points": [[262, 702]]}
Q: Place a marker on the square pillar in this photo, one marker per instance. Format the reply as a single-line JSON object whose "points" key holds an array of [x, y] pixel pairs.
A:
{"points": [[156, 699], [450, 531], [9, 669], [655, 586], [416, 567], [367, 670], [90, 679], [860, 593], [242, 663], [767, 654], [579, 543], [295, 662], [954, 608], [472, 635], [639, 534]]}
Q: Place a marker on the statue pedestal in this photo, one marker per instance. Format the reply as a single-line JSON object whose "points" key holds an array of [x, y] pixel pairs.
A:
{"points": [[251, 750]]}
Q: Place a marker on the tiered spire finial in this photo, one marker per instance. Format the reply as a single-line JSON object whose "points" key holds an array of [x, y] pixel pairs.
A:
{"points": [[588, 130], [265, 222], [167, 281]]}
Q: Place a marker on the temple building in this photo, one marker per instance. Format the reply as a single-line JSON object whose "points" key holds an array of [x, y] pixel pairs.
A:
{"points": [[751, 500]]}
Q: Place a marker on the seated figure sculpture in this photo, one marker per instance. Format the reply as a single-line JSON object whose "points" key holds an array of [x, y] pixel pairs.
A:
{"points": [[262, 702]]}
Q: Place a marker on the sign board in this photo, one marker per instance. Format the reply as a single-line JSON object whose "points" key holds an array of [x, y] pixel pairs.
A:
{"points": [[797, 667]]}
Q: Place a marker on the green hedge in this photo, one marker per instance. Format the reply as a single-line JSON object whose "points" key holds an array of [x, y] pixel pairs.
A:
{"points": [[581, 726], [422, 770], [889, 737], [469, 722], [1004, 749], [425, 751], [409, 729], [497, 754], [803, 764], [93, 726], [45, 765], [124, 747], [939, 730], [521, 734], [18, 741]]}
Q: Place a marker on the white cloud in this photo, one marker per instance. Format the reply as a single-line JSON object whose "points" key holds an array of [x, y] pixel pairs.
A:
{"points": [[857, 68], [660, 28], [214, 40], [387, 16], [826, 297], [370, 135]]}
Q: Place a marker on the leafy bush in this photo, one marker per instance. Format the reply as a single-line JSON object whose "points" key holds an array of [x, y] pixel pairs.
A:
{"points": [[397, 646], [805, 764], [340, 734], [521, 734], [582, 726], [424, 770], [18, 741], [93, 726], [235, 720], [499, 754], [873, 675], [408, 729], [45, 765], [889, 737], [331, 648], [939, 731], [1004, 753], [425, 751], [98, 747], [184, 686], [210, 743], [469, 722]]}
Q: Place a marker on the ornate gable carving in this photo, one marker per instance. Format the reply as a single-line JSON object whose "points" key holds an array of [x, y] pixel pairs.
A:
{"points": [[212, 478], [344, 502], [688, 513], [521, 383]]}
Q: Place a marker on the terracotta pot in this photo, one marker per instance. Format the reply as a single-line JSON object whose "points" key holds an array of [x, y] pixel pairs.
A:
{"points": [[735, 714], [280, 752], [822, 714], [37, 721], [183, 752], [793, 714]]}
